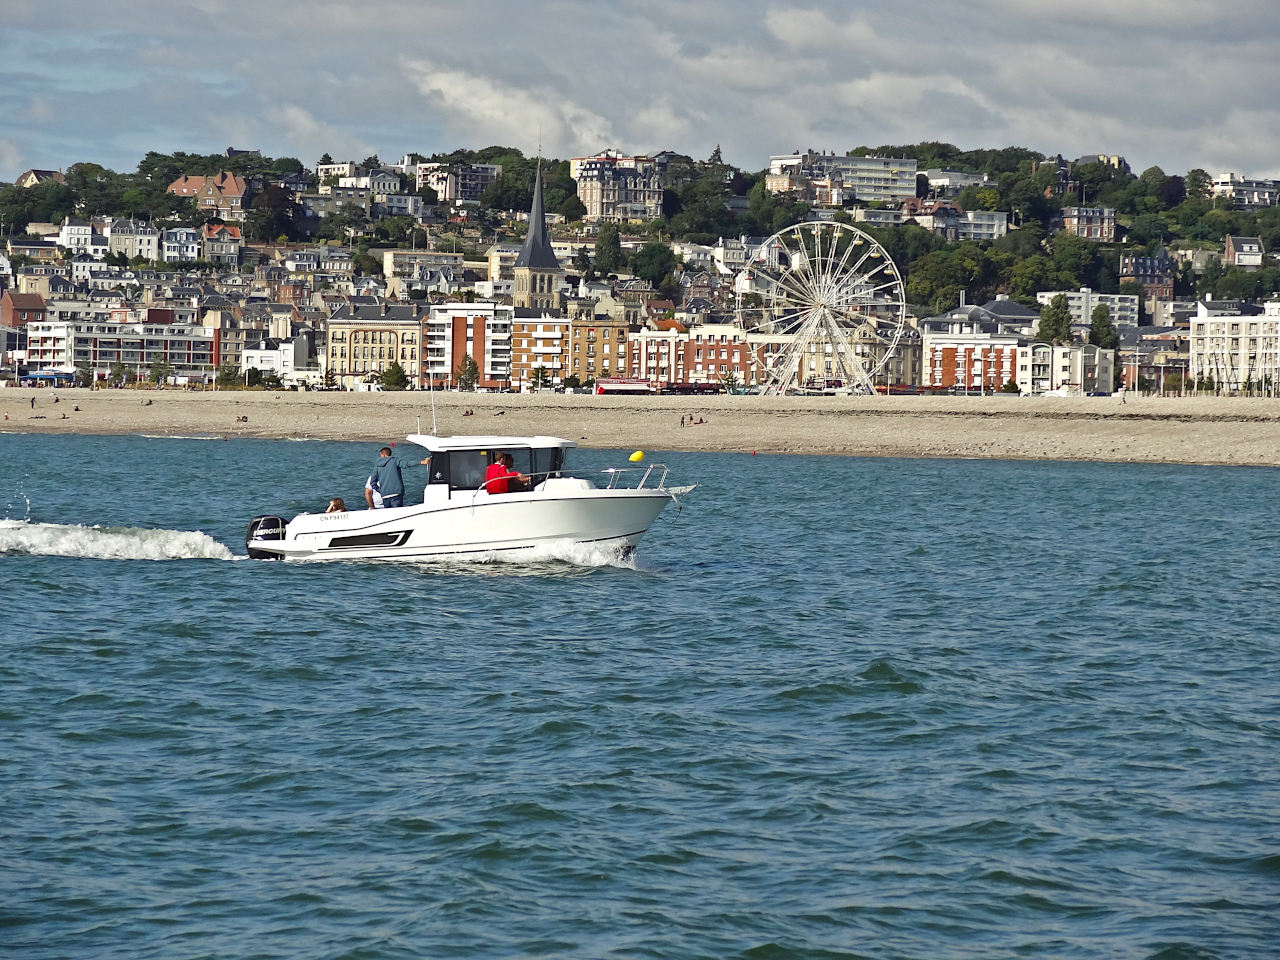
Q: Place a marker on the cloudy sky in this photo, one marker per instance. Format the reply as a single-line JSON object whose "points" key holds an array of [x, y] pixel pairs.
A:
{"points": [[1175, 83]]}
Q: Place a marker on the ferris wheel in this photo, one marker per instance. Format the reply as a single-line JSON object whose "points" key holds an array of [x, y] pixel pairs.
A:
{"points": [[827, 305]]}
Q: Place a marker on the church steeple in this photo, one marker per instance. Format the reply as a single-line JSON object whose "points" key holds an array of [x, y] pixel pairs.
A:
{"points": [[537, 271], [537, 252]]}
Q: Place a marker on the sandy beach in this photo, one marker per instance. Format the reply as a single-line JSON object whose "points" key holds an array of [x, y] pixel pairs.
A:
{"points": [[1233, 431]]}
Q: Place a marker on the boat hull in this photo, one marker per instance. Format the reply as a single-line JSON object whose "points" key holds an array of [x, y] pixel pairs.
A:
{"points": [[471, 528]]}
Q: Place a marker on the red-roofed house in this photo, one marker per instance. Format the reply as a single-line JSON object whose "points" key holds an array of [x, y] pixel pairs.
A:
{"points": [[220, 243], [19, 309], [225, 193]]}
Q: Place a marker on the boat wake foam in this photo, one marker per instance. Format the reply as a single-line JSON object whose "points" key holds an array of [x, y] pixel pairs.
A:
{"points": [[24, 538], [581, 555]]}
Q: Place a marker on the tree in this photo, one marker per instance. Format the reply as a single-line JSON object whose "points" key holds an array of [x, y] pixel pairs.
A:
{"points": [[273, 213], [371, 162], [325, 158], [1055, 321], [394, 377], [84, 374], [582, 263], [608, 249], [572, 381], [253, 377], [730, 382], [571, 208], [1210, 276], [1102, 332], [120, 374], [160, 371], [330, 378], [541, 378], [227, 375], [1199, 185], [653, 261], [467, 374]]}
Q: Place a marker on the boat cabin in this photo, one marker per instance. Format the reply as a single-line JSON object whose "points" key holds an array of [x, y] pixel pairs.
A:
{"points": [[459, 463]]}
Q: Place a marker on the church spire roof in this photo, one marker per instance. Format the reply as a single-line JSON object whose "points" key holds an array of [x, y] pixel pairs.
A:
{"points": [[537, 252]]}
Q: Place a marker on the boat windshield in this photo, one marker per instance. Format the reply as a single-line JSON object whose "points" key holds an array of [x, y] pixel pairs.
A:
{"points": [[465, 469]]}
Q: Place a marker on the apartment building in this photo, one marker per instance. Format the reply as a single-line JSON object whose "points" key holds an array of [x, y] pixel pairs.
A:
{"points": [[617, 188], [481, 331], [363, 340], [459, 182], [864, 179], [1090, 223], [1246, 192], [1124, 307], [1236, 351], [138, 345], [539, 342]]}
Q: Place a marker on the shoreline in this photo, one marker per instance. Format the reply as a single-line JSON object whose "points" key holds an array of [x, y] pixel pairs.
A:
{"points": [[1199, 430]]}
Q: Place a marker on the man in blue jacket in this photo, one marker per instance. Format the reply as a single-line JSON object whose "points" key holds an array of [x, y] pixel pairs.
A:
{"points": [[386, 478]]}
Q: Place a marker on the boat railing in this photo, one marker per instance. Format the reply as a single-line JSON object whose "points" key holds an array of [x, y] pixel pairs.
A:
{"points": [[621, 477]]}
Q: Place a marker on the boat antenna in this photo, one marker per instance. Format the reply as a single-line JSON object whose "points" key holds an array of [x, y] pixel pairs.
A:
{"points": [[431, 389]]}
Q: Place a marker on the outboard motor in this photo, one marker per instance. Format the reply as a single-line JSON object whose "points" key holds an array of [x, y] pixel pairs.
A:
{"points": [[264, 528]]}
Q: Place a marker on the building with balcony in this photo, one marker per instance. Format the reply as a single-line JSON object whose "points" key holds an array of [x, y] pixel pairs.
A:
{"points": [[1236, 351], [1245, 192], [459, 182], [363, 340], [481, 331], [862, 179], [135, 345], [1124, 307], [618, 189], [1090, 223]]}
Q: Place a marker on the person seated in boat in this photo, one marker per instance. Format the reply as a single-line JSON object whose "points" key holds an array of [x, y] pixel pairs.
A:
{"points": [[371, 495], [387, 480], [517, 482], [336, 505], [502, 478]]}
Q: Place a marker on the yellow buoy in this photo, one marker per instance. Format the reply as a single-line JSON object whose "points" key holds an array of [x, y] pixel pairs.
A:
{"points": [[637, 456]]}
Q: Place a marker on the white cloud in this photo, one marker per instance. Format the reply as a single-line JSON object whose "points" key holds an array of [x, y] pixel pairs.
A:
{"points": [[491, 111], [11, 158]]}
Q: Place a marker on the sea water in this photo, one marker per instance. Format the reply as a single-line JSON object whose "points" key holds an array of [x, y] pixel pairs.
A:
{"points": [[834, 707]]}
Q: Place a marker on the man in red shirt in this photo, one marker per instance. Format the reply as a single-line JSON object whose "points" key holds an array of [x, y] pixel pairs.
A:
{"points": [[497, 479]]}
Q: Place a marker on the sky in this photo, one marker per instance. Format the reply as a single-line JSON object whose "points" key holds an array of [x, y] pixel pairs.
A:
{"points": [[1175, 84]]}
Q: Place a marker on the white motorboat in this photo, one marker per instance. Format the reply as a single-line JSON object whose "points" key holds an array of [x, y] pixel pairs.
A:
{"points": [[461, 519]]}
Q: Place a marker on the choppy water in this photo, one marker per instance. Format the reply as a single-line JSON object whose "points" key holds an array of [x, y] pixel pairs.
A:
{"points": [[836, 708]]}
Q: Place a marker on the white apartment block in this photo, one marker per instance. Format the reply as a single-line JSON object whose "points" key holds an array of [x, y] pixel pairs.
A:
{"points": [[866, 179], [80, 237], [459, 183], [951, 183], [180, 245], [324, 171], [1236, 351], [1246, 192], [1082, 303], [62, 345], [1077, 368], [413, 263], [618, 189]]}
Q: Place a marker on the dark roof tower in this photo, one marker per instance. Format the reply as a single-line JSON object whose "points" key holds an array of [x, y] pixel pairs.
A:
{"points": [[536, 252]]}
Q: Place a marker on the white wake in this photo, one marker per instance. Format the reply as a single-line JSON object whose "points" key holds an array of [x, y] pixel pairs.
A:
{"points": [[22, 537]]}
